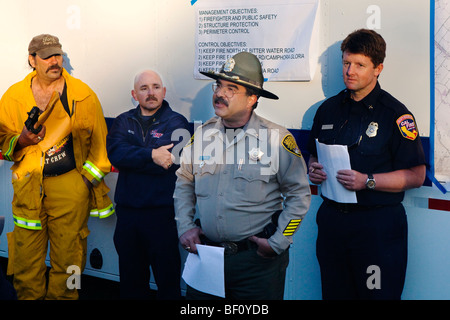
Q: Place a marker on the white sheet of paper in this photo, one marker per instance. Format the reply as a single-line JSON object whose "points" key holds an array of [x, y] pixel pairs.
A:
{"points": [[333, 158], [205, 271]]}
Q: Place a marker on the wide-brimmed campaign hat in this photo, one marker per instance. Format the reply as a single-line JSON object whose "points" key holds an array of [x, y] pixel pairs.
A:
{"points": [[245, 69]]}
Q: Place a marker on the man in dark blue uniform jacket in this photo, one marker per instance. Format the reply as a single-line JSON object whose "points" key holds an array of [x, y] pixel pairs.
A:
{"points": [[139, 145], [362, 247]]}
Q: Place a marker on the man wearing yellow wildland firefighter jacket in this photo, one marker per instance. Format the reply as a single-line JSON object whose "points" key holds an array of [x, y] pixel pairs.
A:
{"points": [[58, 171]]}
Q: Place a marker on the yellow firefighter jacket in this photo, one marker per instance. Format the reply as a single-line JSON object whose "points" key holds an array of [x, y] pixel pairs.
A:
{"points": [[89, 139]]}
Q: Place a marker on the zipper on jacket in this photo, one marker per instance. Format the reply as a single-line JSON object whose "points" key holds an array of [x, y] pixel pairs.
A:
{"points": [[142, 129], [144, 134]]}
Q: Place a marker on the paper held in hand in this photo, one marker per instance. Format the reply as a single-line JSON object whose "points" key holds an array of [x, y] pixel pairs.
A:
{"points": [[334, 158]]}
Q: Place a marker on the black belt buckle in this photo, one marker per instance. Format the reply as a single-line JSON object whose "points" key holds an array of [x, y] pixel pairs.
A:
{"points": [[230, 247], [341, 207], [352, 207]]}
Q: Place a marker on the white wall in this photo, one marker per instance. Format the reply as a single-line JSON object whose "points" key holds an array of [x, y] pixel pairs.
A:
{"points": [[108, 42]]}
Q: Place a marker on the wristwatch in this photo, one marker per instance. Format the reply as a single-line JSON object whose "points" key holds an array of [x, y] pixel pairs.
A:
{"points": [[370, 182]]}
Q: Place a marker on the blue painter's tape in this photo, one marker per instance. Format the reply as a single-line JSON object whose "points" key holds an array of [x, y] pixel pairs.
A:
{"points": [[436, 182]]}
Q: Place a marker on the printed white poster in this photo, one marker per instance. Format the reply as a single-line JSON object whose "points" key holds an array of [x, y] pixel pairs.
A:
{"points": [[282, 34]]}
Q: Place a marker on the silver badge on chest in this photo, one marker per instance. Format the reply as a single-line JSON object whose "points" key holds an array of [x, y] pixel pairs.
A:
{"points": [[372, 129], [255, 154]]}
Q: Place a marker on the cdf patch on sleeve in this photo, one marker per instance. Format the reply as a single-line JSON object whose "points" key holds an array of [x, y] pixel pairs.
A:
{"points": [[407, 127]]}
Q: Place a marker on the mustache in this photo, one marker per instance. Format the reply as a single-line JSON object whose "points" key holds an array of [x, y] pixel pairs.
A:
{"points": [[150, 98], [54, 67], [221, 100]]}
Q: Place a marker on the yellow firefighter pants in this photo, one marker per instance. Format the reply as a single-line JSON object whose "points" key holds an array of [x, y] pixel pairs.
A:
{"points": [[64, 217]]}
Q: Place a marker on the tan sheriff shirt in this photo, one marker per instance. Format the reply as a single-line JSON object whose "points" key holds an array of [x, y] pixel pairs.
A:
{"points": [[238, 184]]}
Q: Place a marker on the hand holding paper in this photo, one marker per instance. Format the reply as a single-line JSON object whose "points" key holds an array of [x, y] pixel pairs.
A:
{"points": [[205, 271], [334, 158]]}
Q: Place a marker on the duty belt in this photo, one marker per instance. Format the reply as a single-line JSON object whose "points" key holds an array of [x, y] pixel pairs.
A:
{"points": [[232, 247]]}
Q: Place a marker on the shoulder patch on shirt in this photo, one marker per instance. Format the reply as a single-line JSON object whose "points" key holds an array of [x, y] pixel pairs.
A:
{"points": [[290, 145], [407, 127]]}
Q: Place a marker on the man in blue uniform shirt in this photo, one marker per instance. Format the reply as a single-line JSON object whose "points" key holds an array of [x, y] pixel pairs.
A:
{"points": [[139, 145], [386, 156]]}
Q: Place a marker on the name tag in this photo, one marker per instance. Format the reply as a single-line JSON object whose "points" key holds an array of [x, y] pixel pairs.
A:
{"points": [[327, 126]]}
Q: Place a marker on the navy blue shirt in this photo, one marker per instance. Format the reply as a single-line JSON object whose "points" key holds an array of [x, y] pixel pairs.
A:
{"points": [[380, 132]]}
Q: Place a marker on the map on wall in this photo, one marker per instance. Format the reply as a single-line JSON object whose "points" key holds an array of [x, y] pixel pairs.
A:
{"points": [[442, 90]]}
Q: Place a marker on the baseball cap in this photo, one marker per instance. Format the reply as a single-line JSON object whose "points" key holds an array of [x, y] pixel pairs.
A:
{"points": [[45, 45]]}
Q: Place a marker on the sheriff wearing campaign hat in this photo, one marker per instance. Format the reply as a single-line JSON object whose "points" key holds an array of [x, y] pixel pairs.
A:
{"points": [[251, 203]]}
